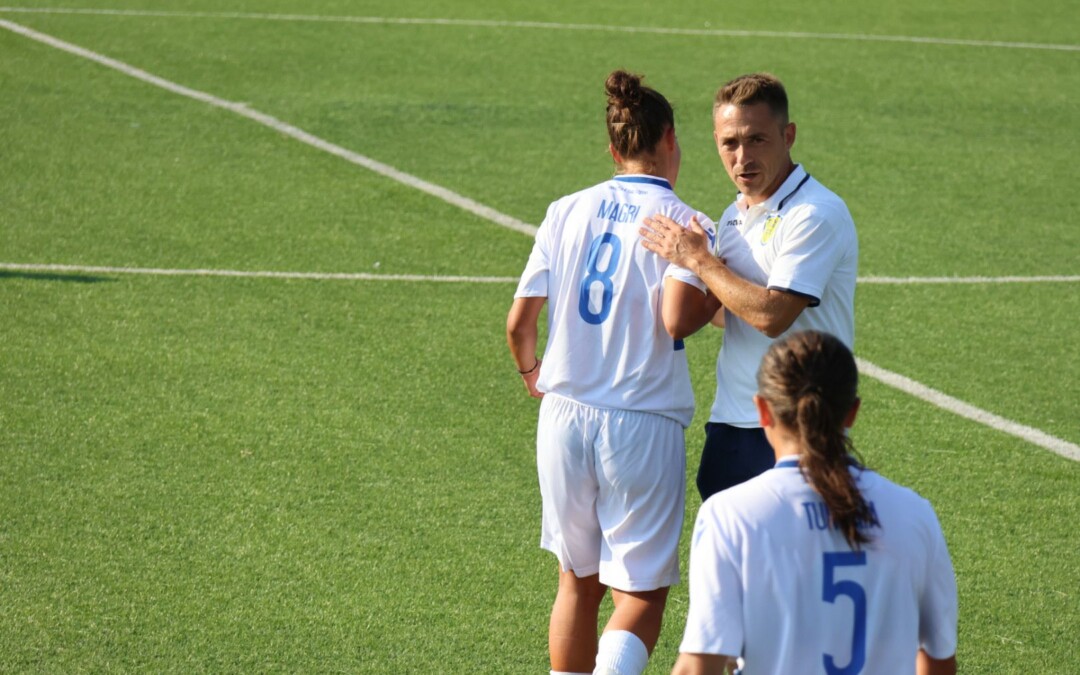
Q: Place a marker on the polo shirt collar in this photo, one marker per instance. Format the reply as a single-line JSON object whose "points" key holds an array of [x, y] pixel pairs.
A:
{"points": [[780, 198]]}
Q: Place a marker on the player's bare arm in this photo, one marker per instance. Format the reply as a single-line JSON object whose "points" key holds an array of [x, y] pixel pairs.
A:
{"points": [[927, 665], [770, 311], [703, 664], [521, 337], [686, 309]]}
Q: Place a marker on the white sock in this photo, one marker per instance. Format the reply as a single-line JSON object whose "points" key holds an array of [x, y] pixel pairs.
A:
{"points": [[621, 653]]}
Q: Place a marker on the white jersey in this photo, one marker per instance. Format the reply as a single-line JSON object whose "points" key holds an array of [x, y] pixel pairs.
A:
{"points": [[772, 582], [607, 346], [802, 240]]}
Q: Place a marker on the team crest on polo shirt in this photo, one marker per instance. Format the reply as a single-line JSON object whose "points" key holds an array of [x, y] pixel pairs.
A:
{"points": [[770, 229]]}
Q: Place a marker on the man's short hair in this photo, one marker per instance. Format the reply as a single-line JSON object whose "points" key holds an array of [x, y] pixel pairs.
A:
{"points": [[753, 89]]}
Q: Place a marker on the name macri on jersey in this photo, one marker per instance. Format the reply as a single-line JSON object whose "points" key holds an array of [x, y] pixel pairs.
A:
{"points": [[618, 212]]}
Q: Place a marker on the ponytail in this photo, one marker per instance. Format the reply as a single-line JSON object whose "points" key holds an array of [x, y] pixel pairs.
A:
{"points": [[811, 380]]}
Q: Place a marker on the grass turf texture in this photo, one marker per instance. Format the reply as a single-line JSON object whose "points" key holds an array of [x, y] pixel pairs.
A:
{"points": [[238, 475]]}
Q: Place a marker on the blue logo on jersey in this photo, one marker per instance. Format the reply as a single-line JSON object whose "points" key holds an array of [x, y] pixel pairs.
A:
{"points": [[618, 213]]}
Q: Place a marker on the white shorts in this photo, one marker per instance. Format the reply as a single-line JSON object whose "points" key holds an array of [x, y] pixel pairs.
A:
{"points": [[613, 483]]}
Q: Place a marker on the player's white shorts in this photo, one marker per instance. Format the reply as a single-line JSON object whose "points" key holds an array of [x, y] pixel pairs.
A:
{"points": [[613, 484]]}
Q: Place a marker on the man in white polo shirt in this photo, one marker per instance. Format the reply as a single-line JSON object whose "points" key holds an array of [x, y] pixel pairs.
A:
{"points": [[801, 274]]}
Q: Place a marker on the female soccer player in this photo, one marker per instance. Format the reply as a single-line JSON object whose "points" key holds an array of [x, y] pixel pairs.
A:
{"points": [[817, 565], [616, 392]]}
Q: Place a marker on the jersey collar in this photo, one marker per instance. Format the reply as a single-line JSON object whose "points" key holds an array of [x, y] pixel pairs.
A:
{"points": [[651, 180], [789, 462]]}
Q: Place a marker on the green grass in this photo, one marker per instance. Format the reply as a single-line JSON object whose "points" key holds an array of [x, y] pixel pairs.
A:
{"points": [[254, 475]]}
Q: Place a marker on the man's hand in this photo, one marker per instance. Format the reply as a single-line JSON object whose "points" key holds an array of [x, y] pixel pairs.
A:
{"points": [[684, 246]]}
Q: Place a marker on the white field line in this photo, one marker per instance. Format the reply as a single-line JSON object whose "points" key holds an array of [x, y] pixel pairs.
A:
{"points": [[317, 276], [968, 280], [372, 276], [935, 397], [386, 170], [1035, 436], [481, 23]]}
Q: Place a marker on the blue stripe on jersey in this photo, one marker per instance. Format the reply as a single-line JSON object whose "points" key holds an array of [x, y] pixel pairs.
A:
{"points": [[644, 179], [787, 463], [679, 345]]}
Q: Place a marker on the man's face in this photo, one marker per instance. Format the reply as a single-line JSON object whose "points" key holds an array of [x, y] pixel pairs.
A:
{"points": [[755, 147]]}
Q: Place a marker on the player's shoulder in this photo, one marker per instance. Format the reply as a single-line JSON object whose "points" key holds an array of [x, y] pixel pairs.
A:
{"points": [[561, 209], [899, 500], [756, 498], [588, 194]]}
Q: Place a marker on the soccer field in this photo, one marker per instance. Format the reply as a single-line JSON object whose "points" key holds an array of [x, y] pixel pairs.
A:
{"points": [[256, 410]]}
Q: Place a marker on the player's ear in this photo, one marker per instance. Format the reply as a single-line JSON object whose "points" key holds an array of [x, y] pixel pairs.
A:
{"points": [[789, 135], [764, 411], [614, 153], [849, 419]]}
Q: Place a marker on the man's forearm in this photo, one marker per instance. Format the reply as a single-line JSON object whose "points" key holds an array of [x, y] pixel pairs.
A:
{"points": [[771, 312]]}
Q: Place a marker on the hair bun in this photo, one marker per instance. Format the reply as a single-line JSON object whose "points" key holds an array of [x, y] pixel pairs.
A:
{"points": [[623, 89]]}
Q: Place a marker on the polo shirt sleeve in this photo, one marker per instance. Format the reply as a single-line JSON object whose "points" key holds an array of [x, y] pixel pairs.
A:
{"points": [[714, 621], [815, 239], [534, 280], [938, 605]]}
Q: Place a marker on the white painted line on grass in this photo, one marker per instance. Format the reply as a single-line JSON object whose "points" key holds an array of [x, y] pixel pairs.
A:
{"points": [[320, 276], [935, 397], [482, 23], [386, 170], [371, 276], [968, 280]]}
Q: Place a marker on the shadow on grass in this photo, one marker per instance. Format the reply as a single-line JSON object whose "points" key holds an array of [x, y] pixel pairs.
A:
{"points": [[52, 276]]}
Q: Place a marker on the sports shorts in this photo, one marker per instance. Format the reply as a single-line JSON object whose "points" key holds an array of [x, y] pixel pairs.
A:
{"points": [[731, 455], [613, 484]]}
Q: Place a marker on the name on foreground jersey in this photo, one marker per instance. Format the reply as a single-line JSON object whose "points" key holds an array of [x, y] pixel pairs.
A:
{"points": [[818, 518]]}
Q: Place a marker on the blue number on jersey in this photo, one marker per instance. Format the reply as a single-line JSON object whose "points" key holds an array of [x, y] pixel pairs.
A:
{"points": [[603, 276], [833, 589]]}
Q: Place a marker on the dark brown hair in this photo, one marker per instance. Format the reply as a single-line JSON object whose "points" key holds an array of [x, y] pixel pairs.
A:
{"points": [[811, 381], [752, 89], [637, 116]]}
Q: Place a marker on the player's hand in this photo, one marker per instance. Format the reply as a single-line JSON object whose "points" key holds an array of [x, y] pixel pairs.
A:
{"points": [[530, 380], [683, 246]]}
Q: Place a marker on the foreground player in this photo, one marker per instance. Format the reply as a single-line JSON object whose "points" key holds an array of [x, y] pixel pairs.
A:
{"points": [[616, 393], [817, 565]]}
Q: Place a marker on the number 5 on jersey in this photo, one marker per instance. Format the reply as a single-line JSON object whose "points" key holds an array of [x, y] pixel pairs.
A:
{"points": [[831, 590]]}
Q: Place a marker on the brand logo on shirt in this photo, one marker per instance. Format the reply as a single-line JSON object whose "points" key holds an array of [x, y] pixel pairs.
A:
{"points": [[735, 222], [770, 229]]}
